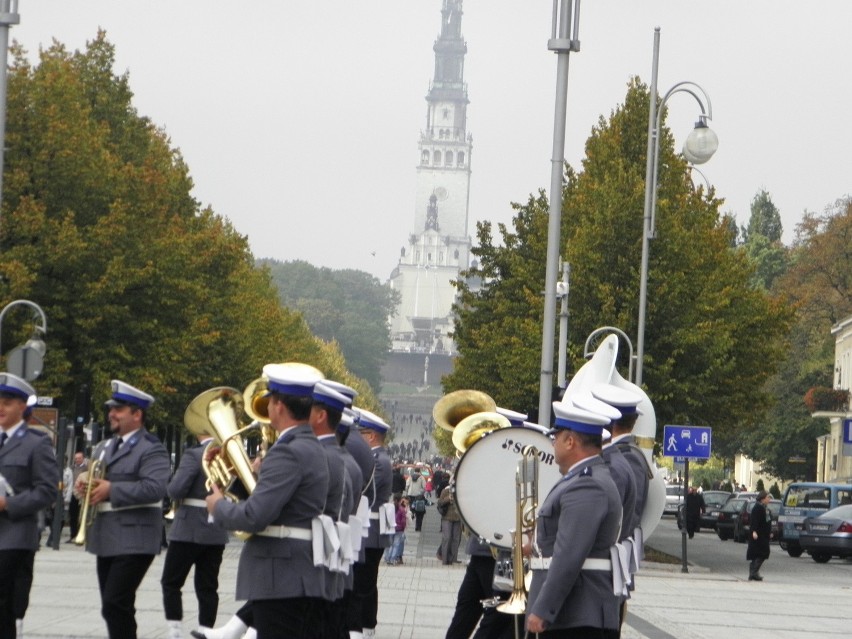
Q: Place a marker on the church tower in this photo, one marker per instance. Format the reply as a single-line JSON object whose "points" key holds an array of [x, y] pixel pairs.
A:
{"points": [[439, 246]]}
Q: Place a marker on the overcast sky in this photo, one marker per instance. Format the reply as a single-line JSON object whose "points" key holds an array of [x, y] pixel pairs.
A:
{"points": [[300, 120]]}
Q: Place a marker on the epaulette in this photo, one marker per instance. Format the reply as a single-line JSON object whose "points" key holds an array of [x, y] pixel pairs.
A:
{"points": [[151, 437]]}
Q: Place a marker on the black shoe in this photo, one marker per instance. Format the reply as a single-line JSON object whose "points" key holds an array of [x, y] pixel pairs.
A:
{"points": [[757, 578]]}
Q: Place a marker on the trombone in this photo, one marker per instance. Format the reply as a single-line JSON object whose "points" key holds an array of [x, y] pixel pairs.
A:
{"points": [[526, 505]]}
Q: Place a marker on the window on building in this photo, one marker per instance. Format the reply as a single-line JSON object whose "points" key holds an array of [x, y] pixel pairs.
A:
{"points": [[461, 158], [448, 158], [424, 157], [436, 158]]}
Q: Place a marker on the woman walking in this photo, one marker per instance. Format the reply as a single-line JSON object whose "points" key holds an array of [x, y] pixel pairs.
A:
{"points": [[758, 542]]}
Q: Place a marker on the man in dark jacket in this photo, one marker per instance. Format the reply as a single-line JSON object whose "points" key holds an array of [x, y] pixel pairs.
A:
{"points": [[758, 541], [695, 506]]}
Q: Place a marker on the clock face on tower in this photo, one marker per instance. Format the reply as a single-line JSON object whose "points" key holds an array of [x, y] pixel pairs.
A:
{"points": [[441, 193]]}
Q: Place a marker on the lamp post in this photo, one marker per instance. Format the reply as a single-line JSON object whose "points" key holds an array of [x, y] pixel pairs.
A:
{"points": [[564, 38], [8, 16], [26, 360], [698, 148]]}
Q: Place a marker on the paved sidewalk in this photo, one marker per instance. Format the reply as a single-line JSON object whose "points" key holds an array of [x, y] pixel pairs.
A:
{"points": [[418, 597]]}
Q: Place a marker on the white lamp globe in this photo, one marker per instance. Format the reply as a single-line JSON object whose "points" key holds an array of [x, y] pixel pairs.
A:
{"points": [[701, 144]]}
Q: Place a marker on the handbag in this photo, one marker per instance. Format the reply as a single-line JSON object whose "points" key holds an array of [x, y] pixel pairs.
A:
{"points": [[443, 508]]}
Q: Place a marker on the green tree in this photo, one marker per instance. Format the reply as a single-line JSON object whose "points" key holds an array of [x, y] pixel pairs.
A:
{"points": [[818, 284], [765, 218], [711, 339], [347, 306], [762, 242], [99, 227]]}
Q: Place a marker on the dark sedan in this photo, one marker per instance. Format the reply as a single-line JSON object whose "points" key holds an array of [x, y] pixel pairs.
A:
{"points": [[729, 524], [713, 502], [828, 535]]}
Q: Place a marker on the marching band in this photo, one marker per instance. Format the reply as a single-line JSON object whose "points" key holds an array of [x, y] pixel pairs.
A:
{"points": [[315, 513]]}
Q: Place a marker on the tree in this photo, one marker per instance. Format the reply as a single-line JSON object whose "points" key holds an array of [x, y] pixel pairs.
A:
{"points": [[817, 285], [347, 306], [762, 241], [100, 228], [711, 339], [765, 218]]}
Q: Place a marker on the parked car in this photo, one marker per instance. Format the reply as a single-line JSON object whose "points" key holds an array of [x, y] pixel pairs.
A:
{"points": [[728, 525], [713, 501], [807, 499], [674, 498], [828, 535], [773, 506]]}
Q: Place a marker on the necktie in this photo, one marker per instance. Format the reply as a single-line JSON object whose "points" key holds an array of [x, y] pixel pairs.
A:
{"points": [[3, 437], [118, 443]]}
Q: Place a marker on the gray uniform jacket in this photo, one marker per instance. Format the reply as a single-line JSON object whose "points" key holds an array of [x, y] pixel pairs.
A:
{"points": [[338, 499], [356, 481], [191, 523], [639, 465], [363, 456], [579, 519], [291, 490], [378, 493], [138, 474], [28, 463], [622, 475]]}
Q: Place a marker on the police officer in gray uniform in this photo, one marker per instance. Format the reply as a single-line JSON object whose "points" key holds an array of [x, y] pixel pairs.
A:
{"points": [[29, 480], [276, 571], [364, 603], [326, 413], [193, 541], [128, 529], [571, 595]]}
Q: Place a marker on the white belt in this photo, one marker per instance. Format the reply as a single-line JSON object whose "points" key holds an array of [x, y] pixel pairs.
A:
{"points": [[197, 503], [106, 507], [286, 532], [543, 563]]}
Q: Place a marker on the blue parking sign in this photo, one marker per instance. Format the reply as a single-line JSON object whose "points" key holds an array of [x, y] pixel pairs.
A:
{"points": [[693, 442]]}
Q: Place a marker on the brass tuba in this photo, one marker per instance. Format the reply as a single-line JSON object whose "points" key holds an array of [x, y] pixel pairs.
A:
{"points": [[526, 505], [215, 413], [453, 407], [256, 406], [96, 472], [475, 427]]}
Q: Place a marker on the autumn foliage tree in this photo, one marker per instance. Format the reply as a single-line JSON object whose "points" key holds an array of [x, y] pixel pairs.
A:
{"points": [[711, 341], [139, 282]]}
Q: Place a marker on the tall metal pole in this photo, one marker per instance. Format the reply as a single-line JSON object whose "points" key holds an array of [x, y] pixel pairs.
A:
{"points": [[8, 17], [647, 225], [563, 41]]}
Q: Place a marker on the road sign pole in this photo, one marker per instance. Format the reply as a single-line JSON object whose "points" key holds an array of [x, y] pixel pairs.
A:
{"points": [[684, 567]]}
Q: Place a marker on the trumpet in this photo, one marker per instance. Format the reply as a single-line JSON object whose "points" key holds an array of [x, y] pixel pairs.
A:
{"points": [[96, 472], [526, 498]]}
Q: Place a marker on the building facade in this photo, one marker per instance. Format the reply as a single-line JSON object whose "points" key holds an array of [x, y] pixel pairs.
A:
{"points": [[834, 456], [439, 246]]}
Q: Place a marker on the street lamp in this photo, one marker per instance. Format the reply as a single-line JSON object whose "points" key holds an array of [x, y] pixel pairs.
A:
{"points": [[8, 17], [26, 361], [698, 148]]}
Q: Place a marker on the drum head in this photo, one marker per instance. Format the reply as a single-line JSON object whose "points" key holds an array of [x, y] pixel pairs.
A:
{"points": [[485, 490]]}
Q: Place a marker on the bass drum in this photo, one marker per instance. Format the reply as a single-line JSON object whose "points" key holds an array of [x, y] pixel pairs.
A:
{"points": [[485, 490]]}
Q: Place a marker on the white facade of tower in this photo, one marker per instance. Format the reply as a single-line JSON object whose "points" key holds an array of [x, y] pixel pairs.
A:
{"points": [[439, 246]]}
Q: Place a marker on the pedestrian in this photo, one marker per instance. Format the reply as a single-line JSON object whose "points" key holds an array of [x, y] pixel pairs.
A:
{"points": [[126, 535], [572, 591], [29, 477], [694, 508], [450, 525], [393, 555], [79, 466], [194, 542], [758, 542]]}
